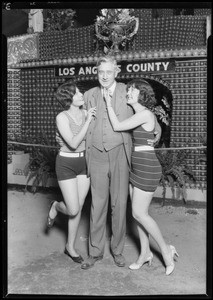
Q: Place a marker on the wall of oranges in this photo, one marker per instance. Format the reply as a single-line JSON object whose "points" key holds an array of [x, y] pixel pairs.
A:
{"points": [[13, 108], [32, 106], [189, 116], [160, 33]]}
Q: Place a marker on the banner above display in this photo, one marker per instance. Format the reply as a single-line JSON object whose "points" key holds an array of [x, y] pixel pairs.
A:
{"points": [[125, 67]]}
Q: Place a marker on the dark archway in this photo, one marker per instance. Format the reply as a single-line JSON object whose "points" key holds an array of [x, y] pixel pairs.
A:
{"points": [[161, 92]]}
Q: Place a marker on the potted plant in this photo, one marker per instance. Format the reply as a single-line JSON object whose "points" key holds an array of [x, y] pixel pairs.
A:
{"points": [[41, 165], [175, 171]]}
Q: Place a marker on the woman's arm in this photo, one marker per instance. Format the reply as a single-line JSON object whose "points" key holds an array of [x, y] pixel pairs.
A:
{"points": [[157, 133], [136, 120], [65, 131], [130, 123]]}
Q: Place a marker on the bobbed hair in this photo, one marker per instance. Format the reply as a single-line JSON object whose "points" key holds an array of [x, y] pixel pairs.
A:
{"points": [[146, 95], [65, 93]]}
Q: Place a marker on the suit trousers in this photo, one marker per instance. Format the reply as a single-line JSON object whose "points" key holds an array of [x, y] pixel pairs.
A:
{"points": [[109, 176]]}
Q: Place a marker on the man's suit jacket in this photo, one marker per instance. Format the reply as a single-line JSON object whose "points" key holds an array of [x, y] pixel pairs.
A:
{"points": [[123, 111]]}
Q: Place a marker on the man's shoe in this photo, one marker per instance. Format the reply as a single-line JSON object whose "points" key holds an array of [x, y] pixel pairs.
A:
{"points": [[90, 261], [119, 260]]}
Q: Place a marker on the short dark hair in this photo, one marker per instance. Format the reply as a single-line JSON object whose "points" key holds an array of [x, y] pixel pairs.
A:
{"points": [[147, 95], [65, 93]]}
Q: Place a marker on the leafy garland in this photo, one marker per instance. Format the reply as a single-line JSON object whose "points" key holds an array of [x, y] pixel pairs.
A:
{"points": [[163, 114], [59, 19], [118, 16]]}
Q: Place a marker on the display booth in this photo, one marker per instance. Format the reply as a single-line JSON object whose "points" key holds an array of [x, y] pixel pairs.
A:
{"points": [[169, 51]]}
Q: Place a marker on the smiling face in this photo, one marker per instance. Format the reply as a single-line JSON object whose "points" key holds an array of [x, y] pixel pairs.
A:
{"points": [[107, 72], [132, 95], [78, 98]]}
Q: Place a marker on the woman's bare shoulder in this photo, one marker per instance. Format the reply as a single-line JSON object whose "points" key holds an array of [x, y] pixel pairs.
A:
{"points": [[147, 115], [61, 116]]}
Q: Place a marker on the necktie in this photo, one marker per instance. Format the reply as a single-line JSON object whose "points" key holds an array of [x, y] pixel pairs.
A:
{"points": [[106, 92], [110, 93]]}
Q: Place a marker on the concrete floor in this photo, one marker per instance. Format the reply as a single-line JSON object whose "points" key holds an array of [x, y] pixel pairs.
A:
{"points": [[37, 265]]}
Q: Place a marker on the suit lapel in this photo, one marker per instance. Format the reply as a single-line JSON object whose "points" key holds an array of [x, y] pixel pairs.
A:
{"points": [[95, 97], [94, 100], [119, 98]]}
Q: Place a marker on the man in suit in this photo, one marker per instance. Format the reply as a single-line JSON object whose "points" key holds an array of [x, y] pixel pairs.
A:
{"points": [[108, 156]]}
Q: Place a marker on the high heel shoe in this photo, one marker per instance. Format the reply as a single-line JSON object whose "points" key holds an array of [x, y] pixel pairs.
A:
{"points": [[50, 221], [136, 266], [170, 268], [76, 259]]}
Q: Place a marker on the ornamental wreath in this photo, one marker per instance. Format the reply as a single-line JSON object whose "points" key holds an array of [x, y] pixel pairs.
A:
{"points": [[116, 26]]}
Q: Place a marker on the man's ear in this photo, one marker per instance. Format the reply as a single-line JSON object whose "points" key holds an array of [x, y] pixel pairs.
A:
{"points": [[117, 70]]}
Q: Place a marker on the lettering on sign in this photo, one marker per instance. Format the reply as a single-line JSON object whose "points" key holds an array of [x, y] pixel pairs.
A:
{"points": [[148, 67], [124, 67]]}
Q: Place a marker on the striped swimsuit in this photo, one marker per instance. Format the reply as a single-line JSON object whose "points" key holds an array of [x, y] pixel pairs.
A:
{"points": [[146, 169]]}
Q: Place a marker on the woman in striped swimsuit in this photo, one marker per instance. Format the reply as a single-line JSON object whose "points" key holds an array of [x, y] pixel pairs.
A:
{"points": [[146, 169], [72, 125]]}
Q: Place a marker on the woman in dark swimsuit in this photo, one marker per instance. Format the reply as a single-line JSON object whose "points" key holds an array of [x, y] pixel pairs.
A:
{"points": [[146, 169], [71, 170]]}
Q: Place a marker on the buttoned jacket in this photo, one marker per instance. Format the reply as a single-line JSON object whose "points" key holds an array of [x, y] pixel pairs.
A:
{"points": [[123, 111]]}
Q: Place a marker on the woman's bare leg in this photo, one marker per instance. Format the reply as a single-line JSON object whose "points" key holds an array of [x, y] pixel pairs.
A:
{"points": [[140, 206], [74, 192], [83, 184]]}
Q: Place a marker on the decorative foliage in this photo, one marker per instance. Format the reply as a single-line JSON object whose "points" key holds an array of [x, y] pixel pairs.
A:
{"points": [[116, 27], [59, 19], [163, 112], [175, 171], [41, 166], [22, 48], [119, 16], [166, 103], [162, 115]]}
